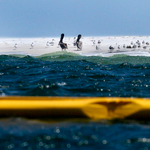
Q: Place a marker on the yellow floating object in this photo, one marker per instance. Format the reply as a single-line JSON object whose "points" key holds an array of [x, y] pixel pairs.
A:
{"points": [[79, 107]]}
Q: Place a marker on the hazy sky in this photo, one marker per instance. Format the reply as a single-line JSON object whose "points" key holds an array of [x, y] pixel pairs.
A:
{"points": [[47, 18]]}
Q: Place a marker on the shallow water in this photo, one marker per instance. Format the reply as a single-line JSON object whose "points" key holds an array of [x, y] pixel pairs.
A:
{"points": [[67, 74]]}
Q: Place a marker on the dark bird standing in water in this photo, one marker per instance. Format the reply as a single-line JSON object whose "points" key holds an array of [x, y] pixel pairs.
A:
{"points": [[62, 45], [79, 43]]}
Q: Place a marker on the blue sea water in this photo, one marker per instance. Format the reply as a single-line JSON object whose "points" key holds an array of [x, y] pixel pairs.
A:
{"points": [[68, 74]]}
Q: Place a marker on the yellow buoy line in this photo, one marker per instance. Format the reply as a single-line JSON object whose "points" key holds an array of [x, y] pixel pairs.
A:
{"points": [[75, 107]]}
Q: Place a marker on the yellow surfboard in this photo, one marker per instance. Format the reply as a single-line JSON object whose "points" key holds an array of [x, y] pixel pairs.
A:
{"points": [[75, 107]]}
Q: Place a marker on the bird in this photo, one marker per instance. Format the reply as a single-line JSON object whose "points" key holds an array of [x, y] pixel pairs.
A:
{"points": [[98, 47], [74, 42], [52, 42], [143, 42], [111, 48], [32, 45], [134, 46], [99, 42], [94, 42], [118, 46], [79, 43], [47, 43], [15, 46], [129, 46], [139, 45], [62, 45]]}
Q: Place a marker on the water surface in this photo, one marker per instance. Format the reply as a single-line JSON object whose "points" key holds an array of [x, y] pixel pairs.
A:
{"points": [[67, 74]]}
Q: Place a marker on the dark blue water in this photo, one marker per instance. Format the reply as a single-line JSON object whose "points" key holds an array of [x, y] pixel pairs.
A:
{"points": [[67, 74], [71, 75]]}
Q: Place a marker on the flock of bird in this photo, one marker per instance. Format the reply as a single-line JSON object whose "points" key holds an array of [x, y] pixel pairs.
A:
{"points": [[78, 44], [63, 45], [132, 45]]}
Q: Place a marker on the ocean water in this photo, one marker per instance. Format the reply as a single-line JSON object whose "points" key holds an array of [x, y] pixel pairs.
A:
{"points": [[68, 74]]}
